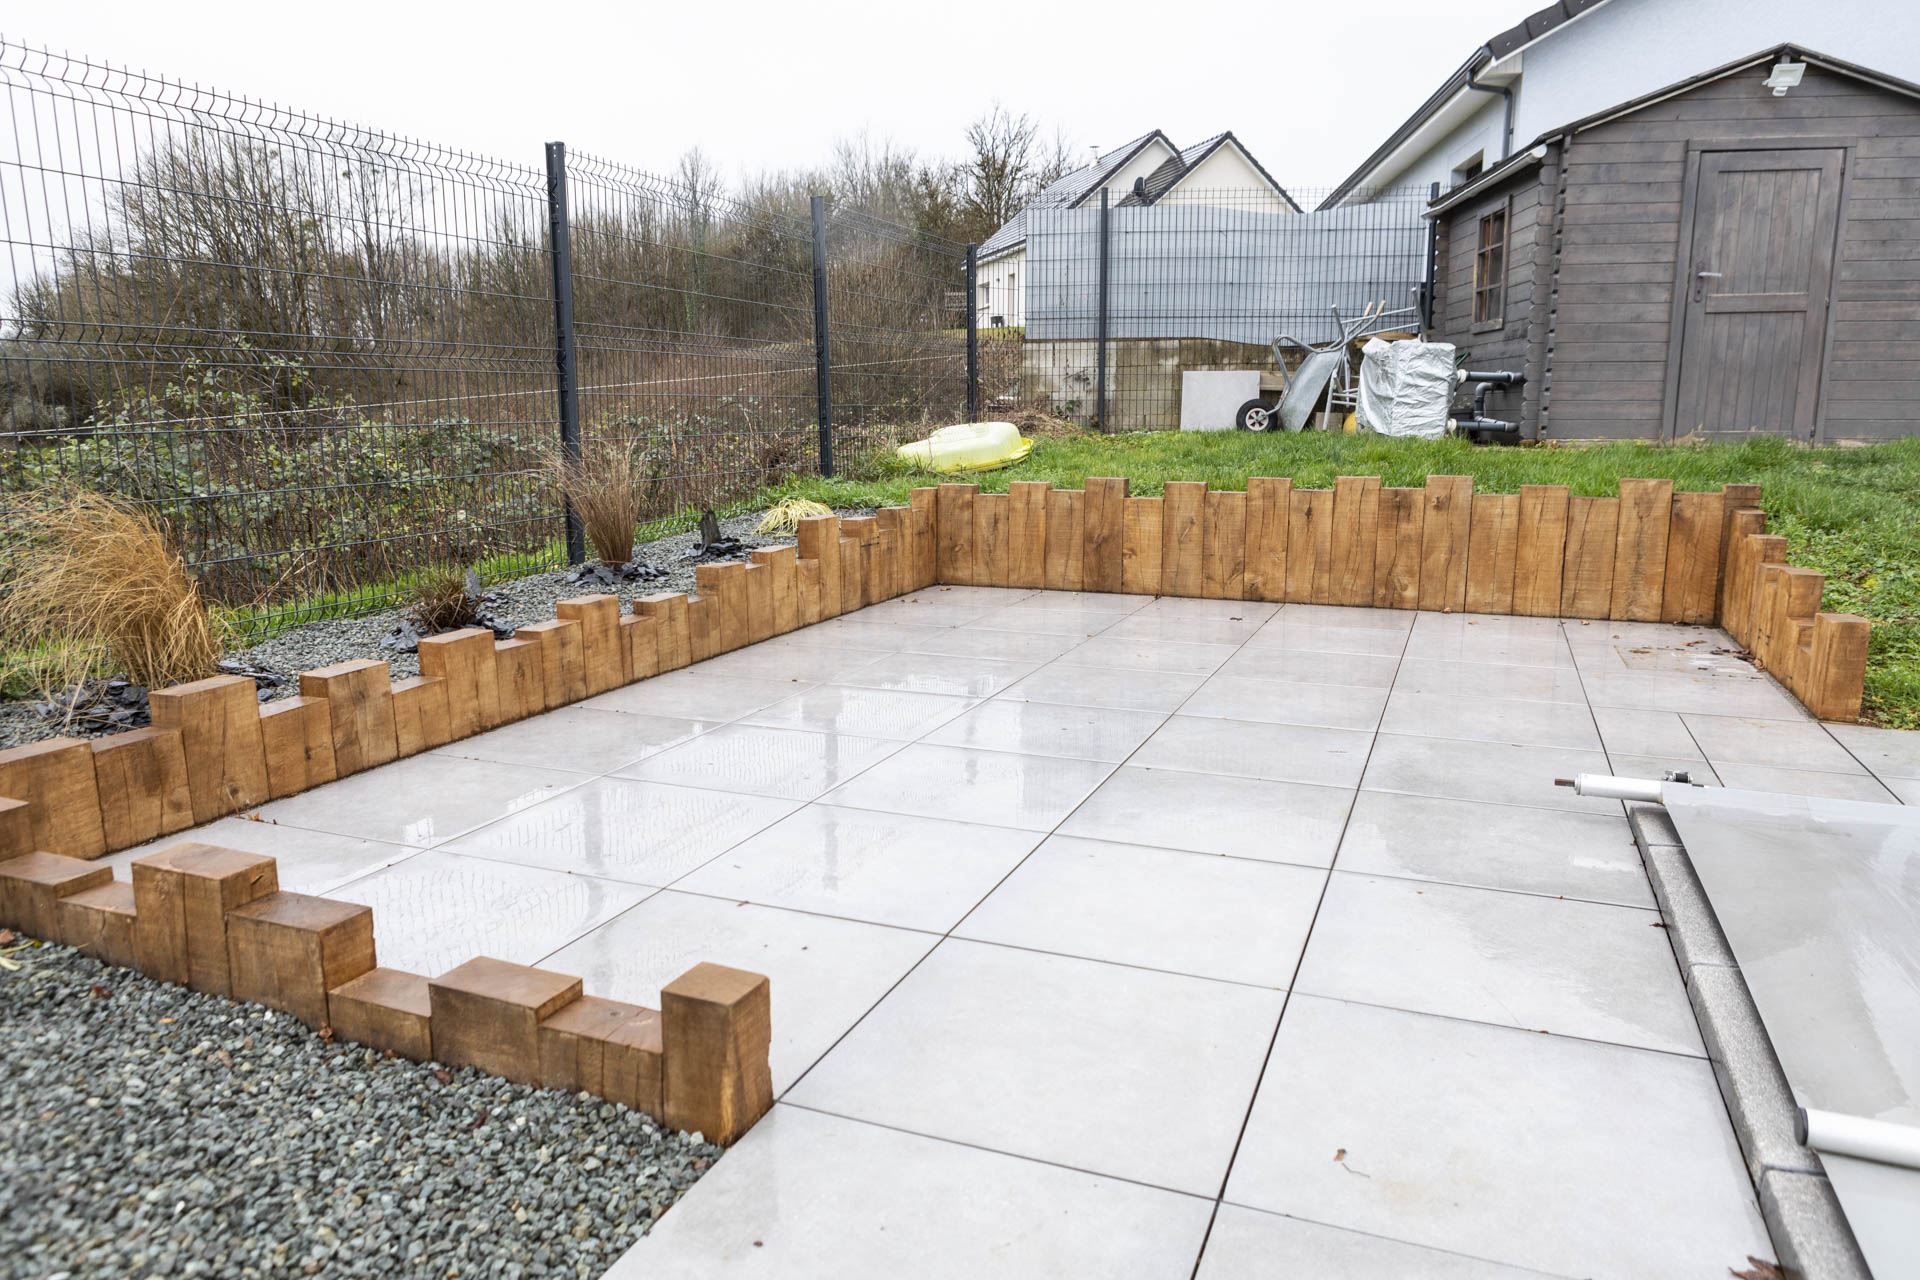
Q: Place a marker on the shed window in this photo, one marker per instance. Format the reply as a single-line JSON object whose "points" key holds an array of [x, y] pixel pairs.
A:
{"points": [[1490, 270]]}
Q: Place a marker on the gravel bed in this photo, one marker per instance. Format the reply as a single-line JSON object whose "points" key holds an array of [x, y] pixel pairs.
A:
{"points": [[154, 1131], [522, 601]]}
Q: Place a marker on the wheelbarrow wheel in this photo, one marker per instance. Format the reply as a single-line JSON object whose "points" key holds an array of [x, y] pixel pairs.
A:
{"points": [[1256, 415]]}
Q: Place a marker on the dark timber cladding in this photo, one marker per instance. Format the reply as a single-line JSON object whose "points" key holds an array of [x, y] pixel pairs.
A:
{"points": [[1803, 213]]}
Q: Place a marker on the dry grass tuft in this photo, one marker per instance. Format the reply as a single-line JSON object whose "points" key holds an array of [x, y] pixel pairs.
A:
{"points": [[605, 487], [785, 517], [93, 583], [446, 597]]}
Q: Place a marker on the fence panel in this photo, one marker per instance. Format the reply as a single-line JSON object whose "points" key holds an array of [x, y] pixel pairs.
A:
{"points": [[324, 354], [1203, 282]]}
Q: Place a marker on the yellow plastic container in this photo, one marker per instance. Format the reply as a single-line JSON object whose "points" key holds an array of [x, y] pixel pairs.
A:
{"points": [[970, 446]]}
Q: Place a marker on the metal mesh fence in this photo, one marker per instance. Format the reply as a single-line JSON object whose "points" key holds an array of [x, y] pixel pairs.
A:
{"points": [[1199, 282], [326, 355]]}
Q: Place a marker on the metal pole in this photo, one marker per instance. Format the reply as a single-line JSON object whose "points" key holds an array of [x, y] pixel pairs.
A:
{"points": [[1433, 253], [973, 333], [822, 365], [565, 356], [1100, 358]]}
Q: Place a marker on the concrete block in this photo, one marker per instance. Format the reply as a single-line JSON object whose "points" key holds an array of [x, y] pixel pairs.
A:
{"points": [[1210, 399], [1811, 1237]]}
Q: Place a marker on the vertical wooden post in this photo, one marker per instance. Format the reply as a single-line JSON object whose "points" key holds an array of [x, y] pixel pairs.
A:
{"points": [[1836, 668], [466, 660], [142, 779], [599, 619], [992, 523], [1027, 534], [1492, 551], [783, 585], [1396, 557], [359, 697], [1356, 533], [1140, 553], [819, 541], [56, 780], [1066, 539], [1310, 546], [926, 501], [1104, 548], [1268, 503], [1640, 549], [218, 720], [716, 1025], [1183, 538], [668, 609], [1223, 570], [1586, 585], [1692, 571], [421, 714], [1540, 555], [955, 516], [1445, 536]]}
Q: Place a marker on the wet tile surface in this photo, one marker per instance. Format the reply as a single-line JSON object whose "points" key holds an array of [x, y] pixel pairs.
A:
{"points": [[1032, 873]]}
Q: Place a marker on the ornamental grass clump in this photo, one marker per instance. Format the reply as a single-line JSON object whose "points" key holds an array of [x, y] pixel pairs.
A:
{"points": [[785, 517], [604, 484], [95, 584]]}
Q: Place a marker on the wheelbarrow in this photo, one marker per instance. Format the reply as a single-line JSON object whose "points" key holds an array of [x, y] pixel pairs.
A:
{"points": [[1321, 364]]}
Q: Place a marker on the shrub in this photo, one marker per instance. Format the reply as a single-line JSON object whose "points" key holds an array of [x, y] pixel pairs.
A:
{"points": [[604, 484], [96, 582]]}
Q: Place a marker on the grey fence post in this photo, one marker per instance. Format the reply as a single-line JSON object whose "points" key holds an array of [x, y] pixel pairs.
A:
{"points": [[1100, 357], [1433, 256], [565, 355], [822, 362], [973, 333]]}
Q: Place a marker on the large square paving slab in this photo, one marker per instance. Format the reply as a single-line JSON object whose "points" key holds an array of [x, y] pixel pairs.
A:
{"points": [[1116, 936]]}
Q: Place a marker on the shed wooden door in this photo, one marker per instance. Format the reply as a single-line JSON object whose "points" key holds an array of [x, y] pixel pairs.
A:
{"points": [[1756, 292]]}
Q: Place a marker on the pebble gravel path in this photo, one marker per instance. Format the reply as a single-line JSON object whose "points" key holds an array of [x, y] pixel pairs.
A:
{"points": [[151, 1131]]}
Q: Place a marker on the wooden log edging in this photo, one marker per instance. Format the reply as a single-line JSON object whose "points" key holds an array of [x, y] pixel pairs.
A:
{"points": [[216, 920]]}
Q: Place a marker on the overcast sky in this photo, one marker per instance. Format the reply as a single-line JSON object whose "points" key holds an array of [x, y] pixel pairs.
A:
{"points": [[1310, 89]]}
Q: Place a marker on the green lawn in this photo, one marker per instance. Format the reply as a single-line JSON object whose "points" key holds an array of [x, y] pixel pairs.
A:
{"points": [[1853, 514]]}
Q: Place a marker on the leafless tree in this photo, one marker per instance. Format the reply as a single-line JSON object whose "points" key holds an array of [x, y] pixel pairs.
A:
{"points": [[1010, 164]]}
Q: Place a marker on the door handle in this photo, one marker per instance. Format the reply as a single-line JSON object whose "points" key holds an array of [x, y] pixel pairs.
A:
{"points": [[1700, 279], [1708, 275]]}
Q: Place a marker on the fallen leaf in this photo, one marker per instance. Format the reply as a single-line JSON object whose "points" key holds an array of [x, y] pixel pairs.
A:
{"points": [[444, 1077], [1341, 1154], [100, 992], [166, 1022], [1758, 1270], [6, 936]]}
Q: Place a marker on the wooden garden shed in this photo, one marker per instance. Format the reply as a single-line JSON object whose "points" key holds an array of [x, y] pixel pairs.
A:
{"points": [[1737, 254]]}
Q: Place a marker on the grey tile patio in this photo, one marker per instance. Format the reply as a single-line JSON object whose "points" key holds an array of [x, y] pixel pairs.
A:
{"points": [[1479, 719], [440, 909], [1129, 654], [825, 973], [1130, 904], [1330, 706], [1309, 666], [996, 787], [695, 695], [1287, 632], [792, 764], [422, 801], [888, 868], [872, 713], [1105, 687], [1214, 813], [1646, 733], [807, 1196], [579, 739], [970, 1048], [1050, 729], [1890, 753], [641, 832], [1496, 846], [1804, 782], [1488, 680], [1779, 744], [1275, 752], [1593, 970], [308, 861], [1496, 772], [1537, 1151], [937, 673], [1246, 1244]]}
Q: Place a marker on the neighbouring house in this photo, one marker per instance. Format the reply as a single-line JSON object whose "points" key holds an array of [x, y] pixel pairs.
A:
{"points": [[1694, 239], [1150, 170]]}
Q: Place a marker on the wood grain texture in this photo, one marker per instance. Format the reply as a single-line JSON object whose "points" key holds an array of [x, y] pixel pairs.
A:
{"points": [[1736, 571], [955, 522], [717, 1028], [1027, 533], [359, 695], [218, 720], [1223, 562], [563, 672], [465, 660], [853, 574], [1269, 500], [55, 778], [520, 680], [1640, 549], [487, 1013], [926, 505], [1398, 553], [297, 735], [599, 619], [640, 638], [818, 539], [16, 828], [1492, 551], [1734, 498], [1356, 535], [608, 1048], [32, 884], [1691, 578], [421, 714], [783, 586], [1541, 552], [1586, 582], [142, 779], [992, 525], [1183, 538], [1762, 550], [1103, 557], [703, 626], [811, 596], [1141, 548], [183, 896], [290, 950], [1066, 534], [386, 1009], [98, 922], [668, 609], [1310, 546], [1445, 537], [724, 587], [1834, 680]]}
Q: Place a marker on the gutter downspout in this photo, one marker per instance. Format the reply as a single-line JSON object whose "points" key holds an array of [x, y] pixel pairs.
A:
{"points": [[1506, 94]]}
